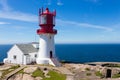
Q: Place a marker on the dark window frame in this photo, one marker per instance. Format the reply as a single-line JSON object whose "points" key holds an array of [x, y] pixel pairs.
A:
{"points": [[14, 57]]}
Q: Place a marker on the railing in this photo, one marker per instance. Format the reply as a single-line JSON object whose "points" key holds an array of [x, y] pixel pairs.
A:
{"points": [[55, 61]]}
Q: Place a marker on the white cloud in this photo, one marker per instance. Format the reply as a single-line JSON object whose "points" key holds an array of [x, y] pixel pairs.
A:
{"points": [[4, 5], [4, 23], [49, 2], [94, 1], [8, 13], [19, 27], [59, 3], [63, 23], [14, 15]]}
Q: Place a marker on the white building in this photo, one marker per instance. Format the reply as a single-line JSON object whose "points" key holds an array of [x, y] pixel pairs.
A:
{"points": [[28, 53], [22, 54]]}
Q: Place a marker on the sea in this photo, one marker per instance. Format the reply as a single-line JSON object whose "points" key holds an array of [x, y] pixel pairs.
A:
{"points": [[80, 53]]}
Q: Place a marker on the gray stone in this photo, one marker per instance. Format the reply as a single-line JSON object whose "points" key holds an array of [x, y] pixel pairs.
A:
{"points": [[30, 69]]}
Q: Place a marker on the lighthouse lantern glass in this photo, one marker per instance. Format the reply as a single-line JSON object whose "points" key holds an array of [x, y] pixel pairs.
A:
{"points": [[43, 19]]}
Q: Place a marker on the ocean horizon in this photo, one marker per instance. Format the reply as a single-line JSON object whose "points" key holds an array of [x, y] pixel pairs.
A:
{"points": [[79, 53]]}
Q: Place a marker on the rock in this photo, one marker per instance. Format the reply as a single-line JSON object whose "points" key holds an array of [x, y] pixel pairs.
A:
{"points": [[27, 77], [0, 73], [18, 77], [45, 73], [30, 69], [5, 67], [38, 78]]}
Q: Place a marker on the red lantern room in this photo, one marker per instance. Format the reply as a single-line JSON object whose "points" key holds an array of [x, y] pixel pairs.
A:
{"points": [[46, 22]]}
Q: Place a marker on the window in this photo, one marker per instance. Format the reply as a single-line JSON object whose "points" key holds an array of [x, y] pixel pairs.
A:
{"points": [[14, 57], [50, 37], [43, 19], [35, 55]]}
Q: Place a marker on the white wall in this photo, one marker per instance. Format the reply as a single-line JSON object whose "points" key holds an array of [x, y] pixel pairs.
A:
{"points": [[46, 45], [32, 56], [19, 55], [21, 58]]}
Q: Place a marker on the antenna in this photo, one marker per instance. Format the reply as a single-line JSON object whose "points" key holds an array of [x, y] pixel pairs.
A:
{"points": [[39, 11], [42, 9]]}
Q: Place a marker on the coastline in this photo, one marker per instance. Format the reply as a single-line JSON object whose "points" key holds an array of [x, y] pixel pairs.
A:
{"points": [[73, 71]]}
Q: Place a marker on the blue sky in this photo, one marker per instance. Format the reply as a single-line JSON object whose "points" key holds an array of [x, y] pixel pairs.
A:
{"points": [[77, 21]]}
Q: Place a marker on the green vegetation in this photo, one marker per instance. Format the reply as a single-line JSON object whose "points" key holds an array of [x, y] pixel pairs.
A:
{"points": [[15, 67], [38, 73], [87, 69], [88, 74], [116, 76], [98, 73], [4, 72], [21, 72], [111, 65], [53, 75]]}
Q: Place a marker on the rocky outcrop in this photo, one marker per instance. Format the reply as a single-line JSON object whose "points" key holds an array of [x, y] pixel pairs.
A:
{"points": [[27, 77], [24, 77], [30, 69], [16, 77]]}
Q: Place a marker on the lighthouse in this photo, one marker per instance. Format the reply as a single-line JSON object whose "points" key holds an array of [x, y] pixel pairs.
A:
{"points": [[46, 53]]}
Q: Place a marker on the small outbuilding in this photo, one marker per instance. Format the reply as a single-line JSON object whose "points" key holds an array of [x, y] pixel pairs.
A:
{"points": [[22, 54]]}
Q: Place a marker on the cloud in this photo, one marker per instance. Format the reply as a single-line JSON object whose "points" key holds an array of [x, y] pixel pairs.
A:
{"points": [[4, 23], [94, 1], [59, 3], [63, 23], [8, 13], [18, 27], [49, 2], [4, 5], [14, 15]]}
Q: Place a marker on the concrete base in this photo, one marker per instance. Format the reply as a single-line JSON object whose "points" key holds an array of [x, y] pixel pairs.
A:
{"points": [[48, 61], [42, 61]]}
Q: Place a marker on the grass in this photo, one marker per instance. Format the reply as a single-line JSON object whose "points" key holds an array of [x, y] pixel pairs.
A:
{"points": [[112, 65], [5, 72], [88, 74], [87, 69], [98, 73], [55, 76], [15, 67], [116, 76], [38, 73], [21, 72]]}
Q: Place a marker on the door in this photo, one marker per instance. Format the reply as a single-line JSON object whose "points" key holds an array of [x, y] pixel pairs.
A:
{"points": [[108, 73], [51, 54]]}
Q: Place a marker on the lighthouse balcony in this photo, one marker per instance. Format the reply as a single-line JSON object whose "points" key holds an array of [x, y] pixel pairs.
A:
{"points": [[42, 31]]}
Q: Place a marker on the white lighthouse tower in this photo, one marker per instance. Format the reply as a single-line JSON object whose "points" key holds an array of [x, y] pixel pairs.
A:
{"points": [[46, 53]]}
